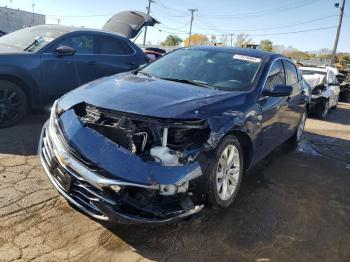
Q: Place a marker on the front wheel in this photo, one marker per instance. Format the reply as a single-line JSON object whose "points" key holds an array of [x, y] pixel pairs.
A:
{"points": [[13, 104], [296, 138], [226, 172], [322, 109]]}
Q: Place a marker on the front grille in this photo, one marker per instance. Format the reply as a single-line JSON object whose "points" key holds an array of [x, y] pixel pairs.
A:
{"points": [[80, 190]]}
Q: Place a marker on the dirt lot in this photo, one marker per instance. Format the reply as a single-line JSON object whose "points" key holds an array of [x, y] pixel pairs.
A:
{"points": [[295, 206]]}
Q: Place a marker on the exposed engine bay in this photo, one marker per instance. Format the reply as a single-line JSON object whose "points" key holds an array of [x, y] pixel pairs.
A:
{"points": [[152, 139]]}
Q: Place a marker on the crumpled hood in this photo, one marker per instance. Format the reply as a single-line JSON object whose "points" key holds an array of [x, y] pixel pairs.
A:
{"points": [[314, 80], [153, 97]]}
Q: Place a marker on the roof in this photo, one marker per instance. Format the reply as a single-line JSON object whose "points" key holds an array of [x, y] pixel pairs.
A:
{"points": [[69, 29], [244, 51], [315, 69]]}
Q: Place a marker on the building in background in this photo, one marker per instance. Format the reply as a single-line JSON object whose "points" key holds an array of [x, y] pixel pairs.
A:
{"points": [[14, 19]]}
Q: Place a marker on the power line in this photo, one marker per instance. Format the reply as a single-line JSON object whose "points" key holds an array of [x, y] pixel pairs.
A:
{"points": [[79, 16], [167, 12], [295, 32], [268, 34], [171, 9], [260, 13], [265, 28]]}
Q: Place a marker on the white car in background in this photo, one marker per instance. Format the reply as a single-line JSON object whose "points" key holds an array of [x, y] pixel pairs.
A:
{"points": [[324, 89]]}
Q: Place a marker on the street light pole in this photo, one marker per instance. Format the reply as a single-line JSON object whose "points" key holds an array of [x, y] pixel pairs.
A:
{"points": [[189, 37], [148, 11], [338, 29]]}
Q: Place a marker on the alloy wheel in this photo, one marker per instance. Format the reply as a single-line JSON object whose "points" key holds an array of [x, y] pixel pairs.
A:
{"points": [[10, 106], [325, 109], [228, 171], [301, 126]]}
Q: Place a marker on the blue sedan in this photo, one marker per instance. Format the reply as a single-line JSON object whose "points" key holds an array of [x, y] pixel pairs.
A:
{"points": [[41, 63], [158, 143]]}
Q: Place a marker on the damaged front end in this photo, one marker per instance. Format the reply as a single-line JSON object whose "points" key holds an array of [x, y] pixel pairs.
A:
{"points": [[125, 167]]}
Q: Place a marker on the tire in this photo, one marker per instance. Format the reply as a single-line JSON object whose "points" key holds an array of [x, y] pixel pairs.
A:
{"points": [[13, 104], [296, 138], [322, 109], [229, 177]]}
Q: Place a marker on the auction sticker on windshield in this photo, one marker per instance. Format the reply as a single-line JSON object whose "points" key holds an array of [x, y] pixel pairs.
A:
{"points": [[247, 58]]}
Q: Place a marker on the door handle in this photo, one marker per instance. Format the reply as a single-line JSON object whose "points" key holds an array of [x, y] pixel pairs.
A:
{"points": [[91, 63]]}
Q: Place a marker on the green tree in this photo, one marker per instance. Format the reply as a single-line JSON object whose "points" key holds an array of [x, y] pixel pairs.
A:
{"points": [[242, 40], [197, 39], [296, 54], [171, 40], [266, 45]]}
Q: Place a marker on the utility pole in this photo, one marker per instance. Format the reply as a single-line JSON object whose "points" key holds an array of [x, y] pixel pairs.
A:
{"points": [[189, 37], [338, 29], [33, 6], [148, 11], [231, 35]]}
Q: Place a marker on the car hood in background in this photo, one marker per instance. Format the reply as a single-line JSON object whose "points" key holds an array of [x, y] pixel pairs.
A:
{"points": [[314, 80], [129, 23], [153, 97]]}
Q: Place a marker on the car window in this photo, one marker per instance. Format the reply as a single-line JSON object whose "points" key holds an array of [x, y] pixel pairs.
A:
{"points": [[22, 39], [221, 69], [276, 75], [83, 44], [291, 73], [112, 46], [300, 76]]}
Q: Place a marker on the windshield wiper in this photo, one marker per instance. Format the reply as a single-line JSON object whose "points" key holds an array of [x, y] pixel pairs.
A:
{"points": [[37, 41], [146, 74], [187, 81]]}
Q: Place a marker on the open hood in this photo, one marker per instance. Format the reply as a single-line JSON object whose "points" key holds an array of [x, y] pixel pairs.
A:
{"points": [[129, 23]]}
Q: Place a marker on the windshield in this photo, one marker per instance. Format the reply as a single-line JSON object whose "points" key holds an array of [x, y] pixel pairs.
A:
{"points": [[221, 69], [23, 38]]}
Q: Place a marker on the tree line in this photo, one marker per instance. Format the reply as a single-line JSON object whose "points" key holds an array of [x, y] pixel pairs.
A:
{"points": [[243, 40]]}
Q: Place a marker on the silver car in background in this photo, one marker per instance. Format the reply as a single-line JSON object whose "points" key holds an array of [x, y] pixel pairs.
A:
{"points": [[324, 89]]}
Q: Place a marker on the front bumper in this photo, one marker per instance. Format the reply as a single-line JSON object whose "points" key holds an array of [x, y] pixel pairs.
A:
{"points": [[91, 192]]}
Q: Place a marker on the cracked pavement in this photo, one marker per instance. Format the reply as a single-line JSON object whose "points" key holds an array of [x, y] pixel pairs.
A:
{"points": [[294, 206]]}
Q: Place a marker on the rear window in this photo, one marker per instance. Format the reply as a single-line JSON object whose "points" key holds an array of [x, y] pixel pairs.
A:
{"points": [[112, 46]]}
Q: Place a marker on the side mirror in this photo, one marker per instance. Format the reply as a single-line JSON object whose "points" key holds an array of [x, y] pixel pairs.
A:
{"points": [[278, 90], [65, 51]]}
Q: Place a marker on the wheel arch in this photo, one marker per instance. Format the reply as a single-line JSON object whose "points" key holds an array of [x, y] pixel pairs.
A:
{"points": [[246, 146], [21, 83]]}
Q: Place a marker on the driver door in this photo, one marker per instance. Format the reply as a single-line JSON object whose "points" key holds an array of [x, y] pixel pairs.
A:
{"points": [[58, 74]]}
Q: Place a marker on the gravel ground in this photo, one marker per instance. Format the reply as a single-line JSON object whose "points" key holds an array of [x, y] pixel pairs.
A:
{"points": [[294, 206]]}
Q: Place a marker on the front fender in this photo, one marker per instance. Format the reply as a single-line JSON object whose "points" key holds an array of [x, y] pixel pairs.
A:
{"points": [[230, 121], [17, 73]]}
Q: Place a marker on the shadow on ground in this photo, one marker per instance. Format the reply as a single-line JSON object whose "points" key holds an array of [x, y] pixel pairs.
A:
{"points": [[293, 206], [23, 138]]}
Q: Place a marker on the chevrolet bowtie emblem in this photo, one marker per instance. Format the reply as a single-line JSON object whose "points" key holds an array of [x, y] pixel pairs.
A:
{"points": [[63, 158]]}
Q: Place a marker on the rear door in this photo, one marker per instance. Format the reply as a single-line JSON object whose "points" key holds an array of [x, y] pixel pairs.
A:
{"points": [[114, 55]]}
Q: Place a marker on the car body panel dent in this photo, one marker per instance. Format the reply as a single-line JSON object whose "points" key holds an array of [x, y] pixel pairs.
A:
{"points": [[119, 162]]}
